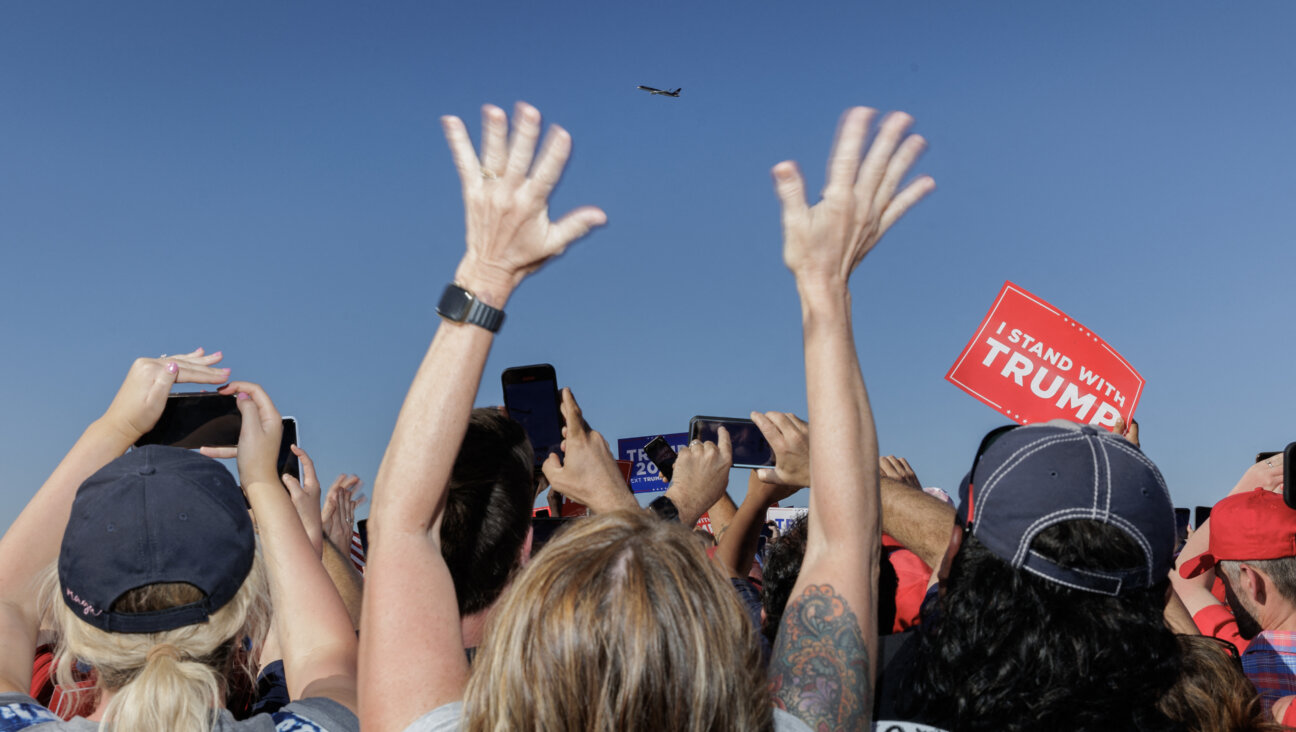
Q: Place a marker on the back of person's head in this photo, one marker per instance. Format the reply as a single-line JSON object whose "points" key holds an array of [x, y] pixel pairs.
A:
{"points": [[1011, 650], [488, 508], [619, 623], [159, 587], [1256, 528], [1052, 611], [783, 558], [1212, 694]]}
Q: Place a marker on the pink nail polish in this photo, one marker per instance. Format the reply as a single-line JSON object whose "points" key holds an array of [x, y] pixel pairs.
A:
{"points": [[173, 367], [244, 395]]}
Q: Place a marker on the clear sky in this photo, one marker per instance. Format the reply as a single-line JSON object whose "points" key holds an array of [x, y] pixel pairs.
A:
{"points": [[269, 179]]}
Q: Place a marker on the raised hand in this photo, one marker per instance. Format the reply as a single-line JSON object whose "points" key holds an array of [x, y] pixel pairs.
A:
{"points": [[789, 436], [139, 402], [259, 435], [506, 194], [824, 243], [899, 470], [305, 496], [588, 473], [339, 509], [701, 475]]}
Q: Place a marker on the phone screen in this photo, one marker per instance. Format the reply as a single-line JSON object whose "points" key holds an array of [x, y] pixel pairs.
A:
{"points": [[288, 462], [545, 528], [750, 450], [1182, 515], [203, 419], [1200, 515], [531, 397], [662, 455]]}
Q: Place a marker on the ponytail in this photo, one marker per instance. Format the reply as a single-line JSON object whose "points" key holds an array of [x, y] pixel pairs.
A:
{"points": [[173, 680]]}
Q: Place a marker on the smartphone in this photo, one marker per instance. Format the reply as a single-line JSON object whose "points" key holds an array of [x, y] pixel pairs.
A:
{"points": [[288, 462], [1200, 514], [362, 526], [1289, 490], [1182, 515], [1266, 455], [531, 398], [662, 455], [197, 419], [750, 450]]}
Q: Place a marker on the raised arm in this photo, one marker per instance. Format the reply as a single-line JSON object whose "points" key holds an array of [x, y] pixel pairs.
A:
{"points": [[828, 636], [32, 542], [411, 651]]}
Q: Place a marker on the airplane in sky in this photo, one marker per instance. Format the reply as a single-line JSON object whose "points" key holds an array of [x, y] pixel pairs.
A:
{"points": [[660, 92]]}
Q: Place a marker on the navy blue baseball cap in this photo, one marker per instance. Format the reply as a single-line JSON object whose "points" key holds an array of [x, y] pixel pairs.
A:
{"points": [[1026, 479], [156, 514]]}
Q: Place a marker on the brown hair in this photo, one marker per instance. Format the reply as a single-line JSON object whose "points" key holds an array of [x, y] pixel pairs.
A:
{"points": [[1212, 694], [619, 623]]}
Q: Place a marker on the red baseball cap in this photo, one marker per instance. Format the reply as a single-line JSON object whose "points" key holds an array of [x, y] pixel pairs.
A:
{"points": [[1254, 525]]}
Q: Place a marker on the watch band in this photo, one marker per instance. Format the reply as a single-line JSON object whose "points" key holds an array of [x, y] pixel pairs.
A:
{"points": [[458, 305], [665, 509]]}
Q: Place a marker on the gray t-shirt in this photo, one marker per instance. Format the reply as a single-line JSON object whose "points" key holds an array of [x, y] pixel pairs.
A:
{"points": [[21, 712], [446, 719]]}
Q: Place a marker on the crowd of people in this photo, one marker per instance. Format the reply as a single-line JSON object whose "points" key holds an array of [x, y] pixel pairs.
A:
{"points": [[148, 589]]}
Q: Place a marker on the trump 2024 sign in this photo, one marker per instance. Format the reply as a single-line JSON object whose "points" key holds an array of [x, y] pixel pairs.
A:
{"points": [[1033, 363]]}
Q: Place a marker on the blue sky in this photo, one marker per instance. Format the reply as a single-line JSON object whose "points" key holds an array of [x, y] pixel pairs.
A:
{"points": [[269, 179]]}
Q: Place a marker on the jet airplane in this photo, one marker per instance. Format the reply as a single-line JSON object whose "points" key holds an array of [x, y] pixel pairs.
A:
{"points": [[660, 92]]}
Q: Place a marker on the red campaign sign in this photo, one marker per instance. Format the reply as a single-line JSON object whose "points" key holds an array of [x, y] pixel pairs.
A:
{"points": [[1033, 363]]}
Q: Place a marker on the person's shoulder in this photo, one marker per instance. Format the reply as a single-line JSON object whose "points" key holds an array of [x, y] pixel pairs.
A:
{"points": [[305, 715], [19, 712], [442, 719]]}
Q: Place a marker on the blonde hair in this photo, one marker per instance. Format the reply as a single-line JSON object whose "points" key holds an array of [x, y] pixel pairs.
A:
{"points": [[619, 623], [172, 680]]}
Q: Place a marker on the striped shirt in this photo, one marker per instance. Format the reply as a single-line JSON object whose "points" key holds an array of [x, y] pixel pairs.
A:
{"points": [[1270, 663]]}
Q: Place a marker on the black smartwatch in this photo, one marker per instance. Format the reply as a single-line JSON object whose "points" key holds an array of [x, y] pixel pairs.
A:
{"points": [[665, 509], [461, 306]]}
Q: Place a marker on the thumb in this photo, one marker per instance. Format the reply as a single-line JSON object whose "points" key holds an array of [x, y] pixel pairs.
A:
{"points": [[552, 467], [766, 475]]}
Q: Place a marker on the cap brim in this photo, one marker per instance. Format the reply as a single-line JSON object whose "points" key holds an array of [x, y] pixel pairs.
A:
{"points": [[1197, 565]]}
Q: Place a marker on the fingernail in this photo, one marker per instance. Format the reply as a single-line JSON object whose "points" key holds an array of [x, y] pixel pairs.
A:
{"points": [[173, 367], [217, 353], [244, 395], [227, 370]]}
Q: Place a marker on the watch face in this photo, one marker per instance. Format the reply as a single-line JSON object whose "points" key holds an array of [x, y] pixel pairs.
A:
{"points": [[454, 304]]}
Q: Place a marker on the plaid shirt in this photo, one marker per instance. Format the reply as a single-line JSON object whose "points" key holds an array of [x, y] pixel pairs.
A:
{"points": [[1270, 663]]}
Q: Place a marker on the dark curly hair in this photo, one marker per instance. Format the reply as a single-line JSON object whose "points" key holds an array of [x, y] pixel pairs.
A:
{"points": [[488, 508], [783, 558], [1007, 650]]}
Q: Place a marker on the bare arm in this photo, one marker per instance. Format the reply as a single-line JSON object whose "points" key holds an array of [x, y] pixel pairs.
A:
{"points": [[32, 542], [315, 633], [919, 521], [411, 654], [827, 641], [737, 548]]}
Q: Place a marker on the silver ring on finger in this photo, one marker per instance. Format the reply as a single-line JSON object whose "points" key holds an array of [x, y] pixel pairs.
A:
{"points": [[488, 174]]}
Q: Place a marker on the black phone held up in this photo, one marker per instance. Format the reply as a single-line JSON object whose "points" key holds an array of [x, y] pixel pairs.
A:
{"points": [[198, 419], [750, 450], [1289, 491], [288, 462], [531, 398], [662, 455]]}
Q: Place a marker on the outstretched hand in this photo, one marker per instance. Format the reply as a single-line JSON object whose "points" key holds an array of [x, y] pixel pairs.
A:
{"points": [[305, 496], [259, 435], [506, 192], [139, 402], [339, 509], [588, 473], [789, 436], [701, 476], [825, 242]]}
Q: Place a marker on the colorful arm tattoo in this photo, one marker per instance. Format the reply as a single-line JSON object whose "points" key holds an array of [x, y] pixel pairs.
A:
{"points": [[819, 668]]}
